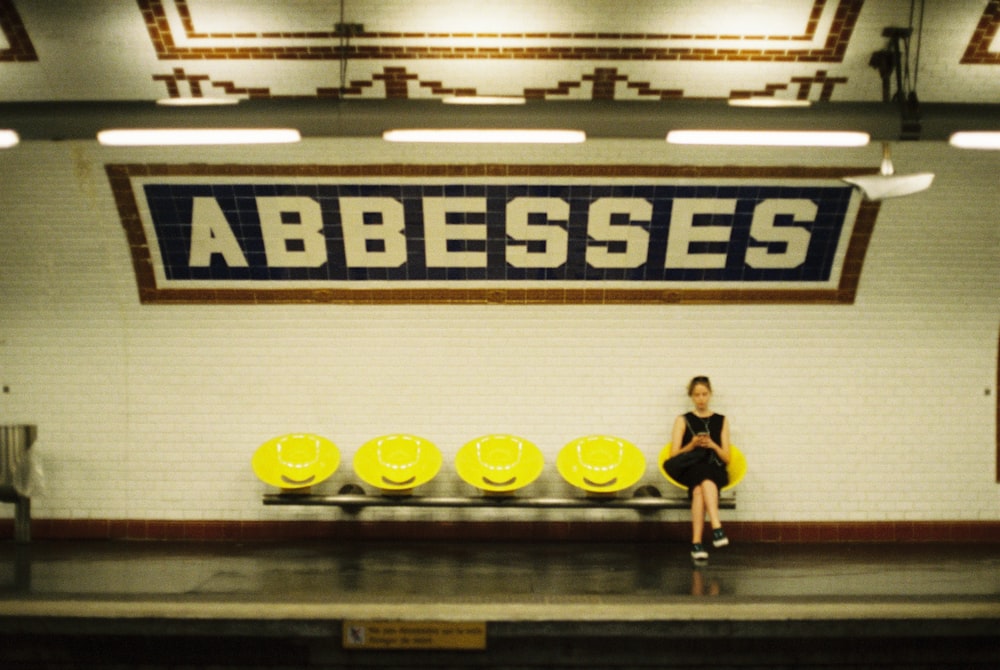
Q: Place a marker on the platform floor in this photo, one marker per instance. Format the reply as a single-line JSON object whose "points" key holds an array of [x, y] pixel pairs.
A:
{"points": [[268, 605]]}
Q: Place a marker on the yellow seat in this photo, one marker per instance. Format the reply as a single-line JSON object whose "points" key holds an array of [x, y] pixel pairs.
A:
{"points": [[397, 462], [601, 463], [295, 461], [499, 463], [737, 467]]}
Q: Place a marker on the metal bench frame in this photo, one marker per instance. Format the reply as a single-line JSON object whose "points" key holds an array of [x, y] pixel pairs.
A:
{"points": [[353, 499]]}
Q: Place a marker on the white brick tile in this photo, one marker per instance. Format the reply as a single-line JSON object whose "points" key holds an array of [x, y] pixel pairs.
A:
{"points": [[154, 411]]}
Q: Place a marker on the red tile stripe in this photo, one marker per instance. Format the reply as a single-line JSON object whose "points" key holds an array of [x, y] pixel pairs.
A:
{"points": [[20, 47], [787, 532], [978, 51], [844, 21], [192, 33]]}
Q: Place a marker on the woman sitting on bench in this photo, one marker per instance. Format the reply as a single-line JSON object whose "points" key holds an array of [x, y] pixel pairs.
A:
{"points": [[703, 429]]}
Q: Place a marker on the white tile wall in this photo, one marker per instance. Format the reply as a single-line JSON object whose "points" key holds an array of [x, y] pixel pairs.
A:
{"points": [[845, 412]]}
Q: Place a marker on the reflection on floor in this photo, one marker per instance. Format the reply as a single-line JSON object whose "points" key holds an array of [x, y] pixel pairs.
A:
{"points": [[551, 604]]}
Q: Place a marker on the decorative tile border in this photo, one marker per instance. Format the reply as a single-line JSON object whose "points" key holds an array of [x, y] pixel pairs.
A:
{"points": [[786, 532], [162, 15], [16, 36], [619, 287], [978, 52], [605, 85]]}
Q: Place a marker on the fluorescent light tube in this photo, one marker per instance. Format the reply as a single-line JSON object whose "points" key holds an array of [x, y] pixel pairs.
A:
{"points": [[196, 102], [8, 138], [485, 135], [135, 137], [767, 102], [968, 139], [484, 100], [770, 138]]}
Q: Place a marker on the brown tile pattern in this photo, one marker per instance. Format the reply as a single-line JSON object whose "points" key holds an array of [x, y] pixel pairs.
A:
{"points": [[604, 80], [786, 532], [808, 33], [825, 82], [395, 79], [844, 21], [20, 48], [173, 81], [119, 177], [978, 51]]}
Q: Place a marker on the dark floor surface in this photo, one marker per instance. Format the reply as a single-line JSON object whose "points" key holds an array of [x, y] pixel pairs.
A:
{"points": [[107, 604]]}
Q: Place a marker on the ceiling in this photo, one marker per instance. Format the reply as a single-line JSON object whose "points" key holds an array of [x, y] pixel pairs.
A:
{"points": [[352, 67]]}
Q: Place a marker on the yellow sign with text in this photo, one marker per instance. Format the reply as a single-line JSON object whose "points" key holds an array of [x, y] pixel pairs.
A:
{"points": [[469, 635]]}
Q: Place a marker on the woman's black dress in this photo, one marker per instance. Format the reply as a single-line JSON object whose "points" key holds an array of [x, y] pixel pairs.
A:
{"points": [[712, 468]]}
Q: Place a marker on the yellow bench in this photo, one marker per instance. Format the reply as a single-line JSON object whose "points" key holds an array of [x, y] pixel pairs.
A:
{"points": [[737, 467]]}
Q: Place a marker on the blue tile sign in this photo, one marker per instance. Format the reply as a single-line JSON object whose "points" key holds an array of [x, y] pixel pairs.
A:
{"points": [[451, 234]]}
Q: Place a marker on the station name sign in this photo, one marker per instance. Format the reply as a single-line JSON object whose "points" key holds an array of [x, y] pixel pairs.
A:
{"points": [[494, 233]]}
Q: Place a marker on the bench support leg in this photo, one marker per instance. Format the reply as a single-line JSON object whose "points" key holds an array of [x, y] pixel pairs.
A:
{"points": [[22, 520]]}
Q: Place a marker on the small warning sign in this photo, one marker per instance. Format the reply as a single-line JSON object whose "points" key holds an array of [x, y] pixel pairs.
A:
{"points": [[414, 635]]}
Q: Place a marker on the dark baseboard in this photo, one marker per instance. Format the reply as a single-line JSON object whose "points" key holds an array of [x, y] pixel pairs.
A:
{"points": [[796, 532]]}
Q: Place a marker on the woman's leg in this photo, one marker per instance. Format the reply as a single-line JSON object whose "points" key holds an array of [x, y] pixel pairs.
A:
{"points": [[697, 514], [710, 496]]}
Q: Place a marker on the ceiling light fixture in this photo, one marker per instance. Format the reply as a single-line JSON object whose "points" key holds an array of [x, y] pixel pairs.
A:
{"points": [[8, 138], [485, 135], [767, 102], [196, 102], [770, 138], [887, 184], [895, 60], [967, 139], [135, 137], [484, 100]]}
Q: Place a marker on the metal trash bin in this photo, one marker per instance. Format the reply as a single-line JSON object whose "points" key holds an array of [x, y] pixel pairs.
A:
{"points": [[15, 475]]}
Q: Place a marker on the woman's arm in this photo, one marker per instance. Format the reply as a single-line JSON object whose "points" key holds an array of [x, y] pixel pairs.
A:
{"points": [[723, 450], [677, 436]]}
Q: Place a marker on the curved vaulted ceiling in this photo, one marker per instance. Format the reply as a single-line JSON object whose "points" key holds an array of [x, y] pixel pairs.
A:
{"points": [[310, 61]]}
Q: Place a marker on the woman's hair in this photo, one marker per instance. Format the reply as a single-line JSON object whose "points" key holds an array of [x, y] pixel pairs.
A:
{"points": [[699, 380]]}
